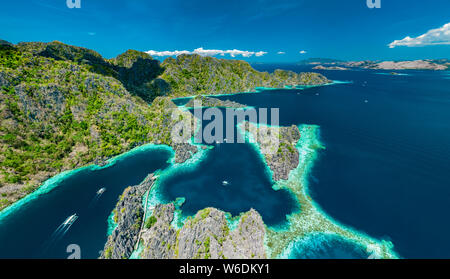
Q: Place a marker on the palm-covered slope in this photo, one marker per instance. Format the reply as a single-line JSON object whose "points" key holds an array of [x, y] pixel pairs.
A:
{"points": [[63, 106]]}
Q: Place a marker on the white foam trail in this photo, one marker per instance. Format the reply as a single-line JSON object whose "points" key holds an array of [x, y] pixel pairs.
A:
{"points": [[59, 233], [97, 196]]}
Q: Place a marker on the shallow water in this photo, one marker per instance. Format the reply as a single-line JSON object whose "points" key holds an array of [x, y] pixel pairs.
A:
{"points": [[326, 247], [232, 178], [36, 229], [385, 172]]}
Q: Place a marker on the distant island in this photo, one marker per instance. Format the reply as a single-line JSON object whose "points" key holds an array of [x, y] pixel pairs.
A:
{"points": [[332, 64], [64, 107], [331, 68]]}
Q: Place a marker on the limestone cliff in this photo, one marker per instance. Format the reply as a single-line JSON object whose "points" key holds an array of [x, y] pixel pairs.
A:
{"points": [[206, 235], [128, 216], [193, 74], [277, 144]]}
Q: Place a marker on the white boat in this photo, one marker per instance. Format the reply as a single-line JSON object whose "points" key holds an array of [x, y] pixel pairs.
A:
{"points": [[225, 183], [71, 219], [101, 191]]}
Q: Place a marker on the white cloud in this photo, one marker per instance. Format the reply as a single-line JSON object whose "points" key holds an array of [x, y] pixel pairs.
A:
{"points": [[302, 51], [281, 52], [167, 53], [208, 52], [260, 53], [439, 36]]}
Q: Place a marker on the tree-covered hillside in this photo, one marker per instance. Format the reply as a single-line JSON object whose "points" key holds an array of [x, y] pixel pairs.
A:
{"points": [[193, 74], [62, 106], [69, 109]]}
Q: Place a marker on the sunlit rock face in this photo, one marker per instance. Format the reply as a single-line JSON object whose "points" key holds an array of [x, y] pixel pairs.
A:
{"points": [[207, 235]]}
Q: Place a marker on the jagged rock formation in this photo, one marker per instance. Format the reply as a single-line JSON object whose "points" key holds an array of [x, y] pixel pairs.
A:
{"points": [[159, 239], [278, 145], [128, 216], [63, 107], [136, 70], [193, 74], [207, 235], [203, 101]]}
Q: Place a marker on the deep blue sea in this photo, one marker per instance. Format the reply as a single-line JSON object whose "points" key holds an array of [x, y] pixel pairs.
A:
{"points": [[31, 232], [384, 172], [386, 168], [248, 185]]}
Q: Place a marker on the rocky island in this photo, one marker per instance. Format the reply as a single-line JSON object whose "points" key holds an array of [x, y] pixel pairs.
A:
{"points": [[330, 68], [128, 217], [204, 236], [203, 101], [281, 158], [190, 75], [422, 64], [210, 234], [63, 107]]}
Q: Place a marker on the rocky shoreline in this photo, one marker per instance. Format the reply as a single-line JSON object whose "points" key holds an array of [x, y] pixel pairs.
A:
{"points": [[203, 101], [128, 216], [205, 236], [282, 157]]}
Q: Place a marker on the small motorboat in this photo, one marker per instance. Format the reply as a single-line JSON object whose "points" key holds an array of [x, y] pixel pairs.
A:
{"points": [[225, 183], [71, 219], [101, 191]]}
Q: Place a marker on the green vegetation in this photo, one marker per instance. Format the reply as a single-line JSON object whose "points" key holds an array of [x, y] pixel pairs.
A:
{"points": [[108, 252], [205, 213], [190, 75], [206, 245], [150, 222], [63, 107]]}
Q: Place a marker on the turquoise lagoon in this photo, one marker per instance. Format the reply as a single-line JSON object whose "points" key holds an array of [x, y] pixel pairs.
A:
{"points": [[384, 172]]}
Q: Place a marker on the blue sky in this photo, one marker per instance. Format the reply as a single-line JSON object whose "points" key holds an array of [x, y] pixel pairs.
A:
{"points": [[341, 29]]}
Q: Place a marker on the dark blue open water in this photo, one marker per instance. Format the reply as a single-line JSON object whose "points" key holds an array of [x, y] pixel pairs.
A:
{"points": [[385, 172], [386, 168], [248, 185], [29, 232]]}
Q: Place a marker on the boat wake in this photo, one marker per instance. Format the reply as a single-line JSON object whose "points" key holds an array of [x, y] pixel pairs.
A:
{"points": [[97, 196], [61, 231], [63, 228]]}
